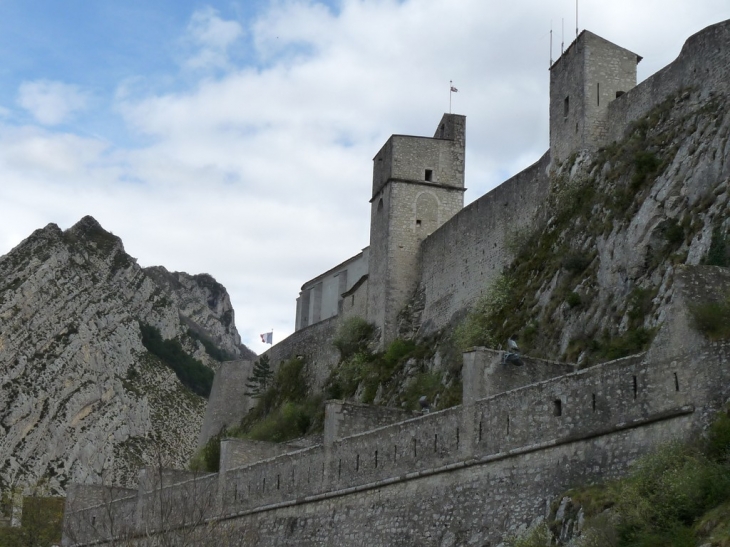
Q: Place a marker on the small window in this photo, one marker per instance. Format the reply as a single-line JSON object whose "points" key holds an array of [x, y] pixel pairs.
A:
{"points": [[429, 175], [380, 205], [566, 107], [418, 222], [557, 407]]}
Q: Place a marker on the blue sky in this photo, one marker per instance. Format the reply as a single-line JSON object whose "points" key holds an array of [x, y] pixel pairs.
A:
{"points": [[236, 137]]}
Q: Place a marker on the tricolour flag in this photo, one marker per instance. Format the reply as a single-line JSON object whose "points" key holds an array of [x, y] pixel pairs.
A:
{"points": [[454, 90], [267, 337]]}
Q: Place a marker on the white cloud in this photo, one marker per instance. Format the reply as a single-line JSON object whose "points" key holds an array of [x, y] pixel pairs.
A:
{"points": [[211, 36], [261, 176], [51, 103]]}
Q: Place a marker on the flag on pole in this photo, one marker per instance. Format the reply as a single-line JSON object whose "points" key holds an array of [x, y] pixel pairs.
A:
{"points": [[267, 337], [454, 90]]}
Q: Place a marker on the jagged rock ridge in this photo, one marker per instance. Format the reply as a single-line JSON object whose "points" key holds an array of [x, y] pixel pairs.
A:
{"points": [[82, 399]]}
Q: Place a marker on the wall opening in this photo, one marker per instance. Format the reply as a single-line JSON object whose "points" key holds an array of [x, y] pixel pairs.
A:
{"points": [[278, 482], [415, 451], [339, 468], [636, 387], [507, 424], [428, 175], [557, 407], [676, 382], [619, 93], [263, 485], [235, 492], [566, 106], [457, 437], [418, 223], [357, 462], [395, 453], [480, 431], [436, 442]]}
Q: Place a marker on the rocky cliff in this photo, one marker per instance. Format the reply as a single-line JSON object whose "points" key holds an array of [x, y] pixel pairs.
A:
{"points": [[81, 398]]}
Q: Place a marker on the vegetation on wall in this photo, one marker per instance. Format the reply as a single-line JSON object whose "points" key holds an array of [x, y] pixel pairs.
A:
{"points": [[41, 521], [192, 373], [679, 496], [712, 318], [552, 280]]}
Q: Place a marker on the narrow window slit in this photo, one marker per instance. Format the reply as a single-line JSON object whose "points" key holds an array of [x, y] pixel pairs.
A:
{"points": [[278, 482], [676, 382], [415, 452], [557, 407], [436, 442], [376, 458], [457, 437], [357, 462], [480, 431], [593, 396], [428, 175], [636, 387], [339, 469]]}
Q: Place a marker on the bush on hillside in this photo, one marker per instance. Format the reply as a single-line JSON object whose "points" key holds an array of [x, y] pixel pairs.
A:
{"points": [[192, 373]]}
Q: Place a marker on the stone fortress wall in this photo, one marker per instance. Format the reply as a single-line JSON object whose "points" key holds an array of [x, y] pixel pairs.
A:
{"points": [[470, 473], [475, 471], [453, 264]]}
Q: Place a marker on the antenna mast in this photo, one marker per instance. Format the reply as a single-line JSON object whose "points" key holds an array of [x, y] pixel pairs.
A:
{"points": [[551, 42]]}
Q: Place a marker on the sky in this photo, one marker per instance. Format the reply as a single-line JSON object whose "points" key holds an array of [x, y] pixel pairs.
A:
{"points": [[236, 137]]}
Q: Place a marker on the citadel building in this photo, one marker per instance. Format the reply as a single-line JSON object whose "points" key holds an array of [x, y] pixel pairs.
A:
{"points": [[471, 473]]}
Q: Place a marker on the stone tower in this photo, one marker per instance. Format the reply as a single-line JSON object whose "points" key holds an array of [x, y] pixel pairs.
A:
{"points": [[418, 184], [583, 81]]}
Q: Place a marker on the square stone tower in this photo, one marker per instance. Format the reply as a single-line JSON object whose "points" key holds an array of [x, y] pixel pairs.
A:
{"points": [[583, 81], [418, 184]]}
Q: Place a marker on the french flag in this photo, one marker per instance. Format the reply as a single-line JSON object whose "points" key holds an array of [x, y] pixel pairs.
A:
{"points": [[267, 337]]}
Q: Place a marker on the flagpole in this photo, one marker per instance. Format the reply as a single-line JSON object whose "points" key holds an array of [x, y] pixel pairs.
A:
{"points": [[451, 86]]}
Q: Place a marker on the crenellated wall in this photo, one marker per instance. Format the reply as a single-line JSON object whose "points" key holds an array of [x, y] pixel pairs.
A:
{"points": [[424, 477]]}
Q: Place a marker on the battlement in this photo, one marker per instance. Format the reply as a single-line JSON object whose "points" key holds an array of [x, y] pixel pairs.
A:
{"points": [[604, 417]]}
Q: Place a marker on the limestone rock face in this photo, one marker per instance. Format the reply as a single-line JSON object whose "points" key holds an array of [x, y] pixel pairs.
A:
{"points": [[81, 399]]}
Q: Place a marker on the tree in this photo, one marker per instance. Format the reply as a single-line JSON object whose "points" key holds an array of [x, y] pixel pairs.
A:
{"points": [[260, 378]]}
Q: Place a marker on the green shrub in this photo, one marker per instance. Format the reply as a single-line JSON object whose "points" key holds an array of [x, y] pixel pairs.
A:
{"points": [[645, 164], [631, 342], [719, 252], [483, 321], [208, 457], [192, 373], [573, 300], [718, 438], [712, 318], [210, 348], [576, 263], [353, 336], [289, 421]]}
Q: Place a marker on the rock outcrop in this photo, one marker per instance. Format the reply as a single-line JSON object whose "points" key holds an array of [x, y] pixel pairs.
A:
{"points": [[81, 399]]}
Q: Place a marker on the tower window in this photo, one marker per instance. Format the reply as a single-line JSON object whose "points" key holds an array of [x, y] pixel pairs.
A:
{"points": [[429, 175], [380, 205], [418, 222], [557, 407], [566, 106]]}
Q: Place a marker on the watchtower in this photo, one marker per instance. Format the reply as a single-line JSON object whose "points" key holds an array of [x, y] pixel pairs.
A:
{"points": [[418, 184], [590, 74]]}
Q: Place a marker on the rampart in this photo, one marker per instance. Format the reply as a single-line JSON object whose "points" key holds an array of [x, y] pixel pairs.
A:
{"points": [[702, 63], [461, 258], [472, 472]]}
